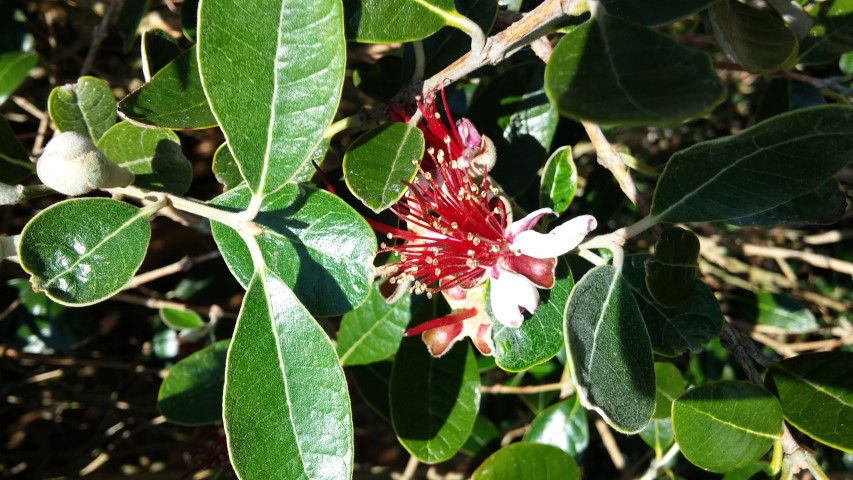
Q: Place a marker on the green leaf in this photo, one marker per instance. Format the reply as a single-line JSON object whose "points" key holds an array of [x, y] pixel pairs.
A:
{"points": [[483, 435], [225, 168], [131, 13], [610, 356], [178, 319], [377, 163], [757, 169], [158, 49], [742, 419], [784, 312], [191, 394], [824, 205], [669, 384], [816, 392], [559, 181], [831, 34], [757, 40], [295, 64], [395, 21], [15, 164], [86, 107], [372, 382], [373, 331], [14, 68], [286, 409], [174, 98], [312, 240], [513, 111], [658, 434], [674, 330], [528, 460], [434, 401], [84, 250], [563, 425], [154, 157], [783, 95], [671, 272], [539, 337], [655, 12], [610, 70]]}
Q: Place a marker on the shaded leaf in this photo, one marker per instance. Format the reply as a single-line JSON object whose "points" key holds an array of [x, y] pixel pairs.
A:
{"points": [[295, 64], [394, 21], [816, 392], [782, 311], [669, 385], [757, 40], [657, 12], [743, 419], [174, 98], [674, 330], [671, 272], [658, 434], [609, 350], [434, 401], [372, 381], [14, 68], [824, 205], [15, 163], [484, 434], [563, 425], [528, 460], [757, 169], [610, 70], [225, 168], [191, 393], [831, 34], [373, 331], [286, 409], [84, 250], [158, 49], [129, 16]]}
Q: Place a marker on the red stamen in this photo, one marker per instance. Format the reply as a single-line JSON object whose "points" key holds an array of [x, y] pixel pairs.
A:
{"points": [[441, 322]]}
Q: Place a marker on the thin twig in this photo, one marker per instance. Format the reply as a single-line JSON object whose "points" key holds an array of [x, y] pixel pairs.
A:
{"points": [[181, 265], [411, 469], [652, 472], [814, 259], [156, 304], [99, 33], [508, 389], [610, 444], [73, 362], [611, 159]]}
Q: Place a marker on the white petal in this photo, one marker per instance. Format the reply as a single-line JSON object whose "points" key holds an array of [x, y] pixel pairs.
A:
{"points": [[508, 292], [526, 223], [558, 241]]}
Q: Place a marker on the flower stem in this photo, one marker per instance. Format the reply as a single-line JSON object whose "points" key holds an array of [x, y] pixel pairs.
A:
{"points": [[478, 38]]}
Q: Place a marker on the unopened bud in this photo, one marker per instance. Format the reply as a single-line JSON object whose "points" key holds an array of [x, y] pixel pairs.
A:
{"points": [[11, 194], [71, 164]]}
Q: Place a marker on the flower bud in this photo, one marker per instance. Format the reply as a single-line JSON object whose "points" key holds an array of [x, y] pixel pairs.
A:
{"points": [[71, 164], [11, 194]]}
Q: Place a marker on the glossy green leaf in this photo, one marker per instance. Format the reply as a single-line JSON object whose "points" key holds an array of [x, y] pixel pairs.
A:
{"points": [[483, 435], [131, 13], [513, 111], [84, 250], [377, 163], [783, 311], [655, 12], [757, 40], [824, 205], [742, 419], [559, 181], [86, 107], [394, 21], [178, 319], [528, 460], [831, 34], [225, 168], [15, 164], [671, 272], [191, 394], [434, 401], [754, 471], [14, 68], [312, 240], [757, 169], [540, 336], [373, 331], [674, 330], [610, 70], [174, 98], [372, 382], [816, 392], [154, 156], [158, 49], [295, 66], [669, 385], [610, 356], [658, 434], [563, 425], [286, 409]]}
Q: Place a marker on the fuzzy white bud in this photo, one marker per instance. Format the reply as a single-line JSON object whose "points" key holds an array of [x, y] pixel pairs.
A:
{"points": [[73, 165], [11, 194]]}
